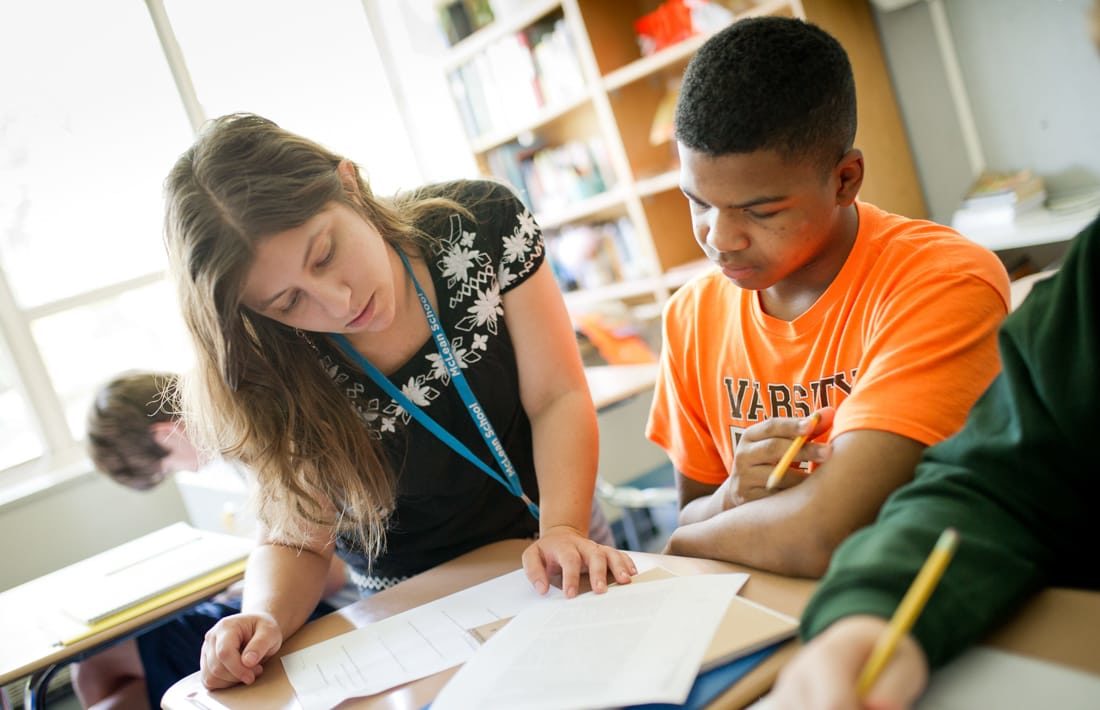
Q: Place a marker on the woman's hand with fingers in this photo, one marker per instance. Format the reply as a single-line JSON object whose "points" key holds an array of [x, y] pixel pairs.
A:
{"points": [[234, 650], [563, 549]]}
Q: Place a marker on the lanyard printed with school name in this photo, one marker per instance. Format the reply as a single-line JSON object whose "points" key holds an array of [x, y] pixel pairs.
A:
{"points": [[510, 480]]}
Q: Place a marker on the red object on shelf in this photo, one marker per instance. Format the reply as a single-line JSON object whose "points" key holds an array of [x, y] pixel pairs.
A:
{"points": [[668, 24]]}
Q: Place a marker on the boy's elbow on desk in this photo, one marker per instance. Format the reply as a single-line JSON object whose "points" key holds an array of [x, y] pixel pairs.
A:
{"points": [[804, 552]]}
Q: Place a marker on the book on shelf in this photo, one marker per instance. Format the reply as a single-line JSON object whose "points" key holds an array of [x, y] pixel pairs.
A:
{"points": [[587, 256], [551, 177], [996, 199], [508, 82]]}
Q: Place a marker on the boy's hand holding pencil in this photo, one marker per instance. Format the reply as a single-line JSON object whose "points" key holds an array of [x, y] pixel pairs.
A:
{"points": [[807, 430], [783, 440]]}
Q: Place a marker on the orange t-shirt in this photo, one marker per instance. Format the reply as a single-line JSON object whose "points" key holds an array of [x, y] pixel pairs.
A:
{"points": [[903, 340]]}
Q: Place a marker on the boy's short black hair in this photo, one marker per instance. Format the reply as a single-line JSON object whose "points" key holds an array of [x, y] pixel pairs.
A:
{"points": [[769, 83]]}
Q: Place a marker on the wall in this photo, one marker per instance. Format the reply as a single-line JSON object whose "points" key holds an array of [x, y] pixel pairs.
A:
{"points": [[75, 519], [1033, 79]]}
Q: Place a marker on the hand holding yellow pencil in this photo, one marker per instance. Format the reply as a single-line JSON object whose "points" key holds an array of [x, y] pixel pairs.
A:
{"points": [[792, 451], [908, 610]]}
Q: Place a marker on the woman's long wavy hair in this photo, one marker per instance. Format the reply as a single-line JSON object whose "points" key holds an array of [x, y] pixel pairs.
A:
{"points": [[258, 393]]}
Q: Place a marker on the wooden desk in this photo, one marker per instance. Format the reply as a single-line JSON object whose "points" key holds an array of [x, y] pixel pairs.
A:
{"points": [[1058, 625], [31, 626], [272, 690]]}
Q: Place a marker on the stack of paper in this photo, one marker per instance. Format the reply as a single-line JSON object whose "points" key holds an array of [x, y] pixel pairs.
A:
{"points": [[638, 643]]}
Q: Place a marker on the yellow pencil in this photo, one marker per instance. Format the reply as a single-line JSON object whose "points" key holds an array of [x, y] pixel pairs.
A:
{"points": [[785, 462], [908, 610]]}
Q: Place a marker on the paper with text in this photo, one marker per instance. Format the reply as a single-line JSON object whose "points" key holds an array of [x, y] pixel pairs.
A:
{"points": [[407, 646], [635, 644]]}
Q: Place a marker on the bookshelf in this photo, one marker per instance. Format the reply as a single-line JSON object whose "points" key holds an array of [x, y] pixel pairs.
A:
{"points": [[558, 100]]}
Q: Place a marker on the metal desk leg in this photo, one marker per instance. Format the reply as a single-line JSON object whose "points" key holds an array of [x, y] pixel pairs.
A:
{"points": [[34, 697]]}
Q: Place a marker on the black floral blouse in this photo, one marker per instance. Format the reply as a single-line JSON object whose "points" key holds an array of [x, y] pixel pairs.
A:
{"points": [[445, 505]]}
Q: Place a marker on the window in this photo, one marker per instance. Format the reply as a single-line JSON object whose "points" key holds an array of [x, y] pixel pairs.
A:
{"points": [[314, 72], [88, 132]]}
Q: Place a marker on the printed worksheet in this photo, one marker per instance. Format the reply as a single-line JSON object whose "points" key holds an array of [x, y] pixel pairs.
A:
{"points": [[638, 643], [407, 646]]}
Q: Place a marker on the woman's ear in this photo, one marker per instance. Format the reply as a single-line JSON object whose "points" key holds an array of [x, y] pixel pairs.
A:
{"points": [[349, 175]]}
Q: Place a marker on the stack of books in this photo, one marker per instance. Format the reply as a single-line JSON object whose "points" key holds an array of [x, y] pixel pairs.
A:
{"points": [[590, 255], [507, 83], [997, 199], [552, 177]]}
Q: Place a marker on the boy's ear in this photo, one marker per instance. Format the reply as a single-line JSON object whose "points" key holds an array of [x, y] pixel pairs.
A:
{"points": [[849, 176], [163, 433], [349, 175]]}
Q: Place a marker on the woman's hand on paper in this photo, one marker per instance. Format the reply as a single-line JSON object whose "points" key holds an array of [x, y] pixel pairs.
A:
{"points": [[761, 447], [233, 651], [824, 673], [563, 549]]}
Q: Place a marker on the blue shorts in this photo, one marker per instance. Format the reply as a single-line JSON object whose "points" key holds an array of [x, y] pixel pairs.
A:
{"points": [[171, 651]]}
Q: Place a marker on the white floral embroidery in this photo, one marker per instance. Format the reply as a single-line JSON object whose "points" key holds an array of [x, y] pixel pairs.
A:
{"points": [[419, 393], [515, 246], [484, 311], [439, 368], [416, 392], [464, 357], [504, 276], [457, 262], [477, 267], [527, 223]]}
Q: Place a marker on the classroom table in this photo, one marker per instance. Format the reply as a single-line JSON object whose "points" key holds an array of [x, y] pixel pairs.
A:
{"points": [[1057, 625], [29, 619]]}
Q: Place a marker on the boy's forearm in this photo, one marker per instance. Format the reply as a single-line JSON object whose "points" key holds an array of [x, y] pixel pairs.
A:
{"points": [[702, 508], [770, 534]]}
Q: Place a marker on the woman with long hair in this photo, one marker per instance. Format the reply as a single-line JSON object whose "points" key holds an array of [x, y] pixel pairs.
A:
{"points": [[400, 375]]}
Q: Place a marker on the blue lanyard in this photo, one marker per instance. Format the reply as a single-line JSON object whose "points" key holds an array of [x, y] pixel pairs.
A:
{"points": [[510, 480]]}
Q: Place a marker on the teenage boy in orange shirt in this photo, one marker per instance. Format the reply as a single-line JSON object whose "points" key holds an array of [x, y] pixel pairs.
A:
{"points": [[885, 326]]}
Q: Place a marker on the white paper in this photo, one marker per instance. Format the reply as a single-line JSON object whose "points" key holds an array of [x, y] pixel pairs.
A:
{"points": [[634, 644], [410, 645], [988, 678]]}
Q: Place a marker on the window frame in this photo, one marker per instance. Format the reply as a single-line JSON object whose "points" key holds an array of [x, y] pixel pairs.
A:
{"points": [[63, 457]]}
